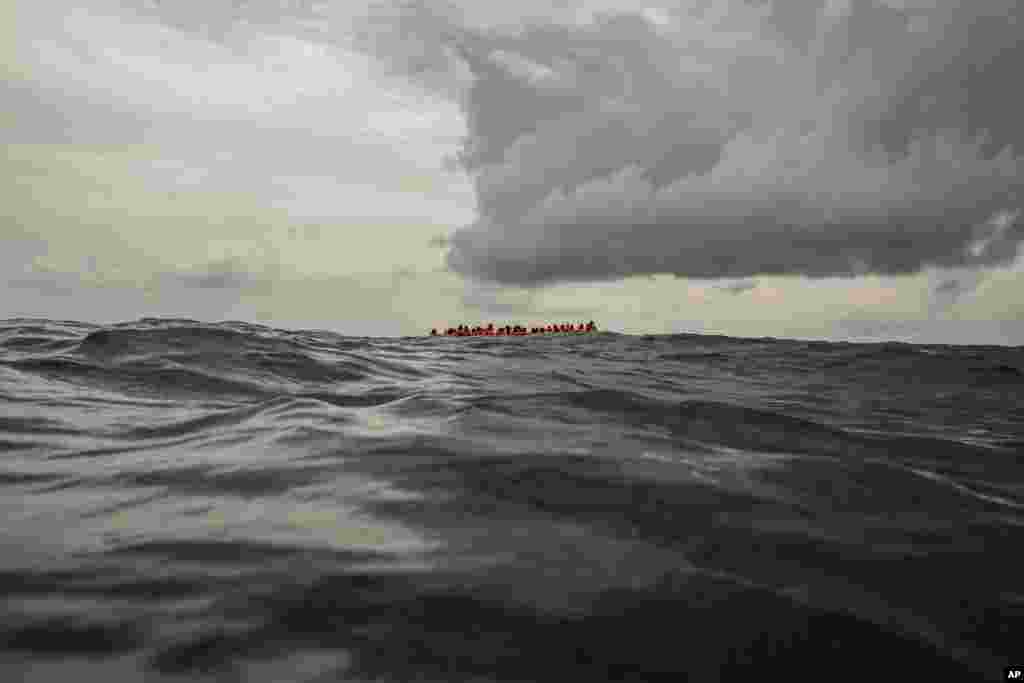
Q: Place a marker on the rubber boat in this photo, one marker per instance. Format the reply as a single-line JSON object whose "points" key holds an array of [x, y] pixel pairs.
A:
{"points": [[515, 330]]}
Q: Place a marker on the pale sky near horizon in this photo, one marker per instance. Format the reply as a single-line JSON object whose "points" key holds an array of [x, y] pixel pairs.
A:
{"points": [[828, 169]]}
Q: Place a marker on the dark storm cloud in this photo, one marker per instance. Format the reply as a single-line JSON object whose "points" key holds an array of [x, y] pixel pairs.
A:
{"points": [[954, 287], [994, 241], [738, 139]]}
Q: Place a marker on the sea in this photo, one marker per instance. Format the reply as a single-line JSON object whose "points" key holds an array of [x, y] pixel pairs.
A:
{"points": [[190, 501]]}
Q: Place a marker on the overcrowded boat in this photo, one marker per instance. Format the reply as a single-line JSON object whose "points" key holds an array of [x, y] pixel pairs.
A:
{"points": [[514, 330]]}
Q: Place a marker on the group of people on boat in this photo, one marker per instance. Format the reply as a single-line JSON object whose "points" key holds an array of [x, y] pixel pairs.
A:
{"points": [[515, 330]]}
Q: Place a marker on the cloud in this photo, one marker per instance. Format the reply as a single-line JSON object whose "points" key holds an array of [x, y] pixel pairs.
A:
{"points": [[995, 240], [50, 285], [189, 146], [952, 287], [738, 287], [733, 139], [234, 159], [489, 299], [224, 274]]}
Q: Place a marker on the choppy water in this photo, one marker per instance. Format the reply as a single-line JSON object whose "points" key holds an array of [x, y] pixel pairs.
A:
{"points": [[235, 502]]}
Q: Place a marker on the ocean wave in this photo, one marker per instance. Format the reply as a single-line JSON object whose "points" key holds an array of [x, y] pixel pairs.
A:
{"points": [[226, 499]]}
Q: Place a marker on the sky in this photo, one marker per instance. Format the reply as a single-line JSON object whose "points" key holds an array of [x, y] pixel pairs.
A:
{"points": [[814, 169]]}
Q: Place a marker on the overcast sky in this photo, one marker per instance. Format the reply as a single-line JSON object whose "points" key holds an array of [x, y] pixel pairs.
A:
{"points": [[838, 169]]}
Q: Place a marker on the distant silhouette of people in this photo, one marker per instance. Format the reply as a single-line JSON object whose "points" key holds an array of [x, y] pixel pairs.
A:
{"points": [[517, 330]]}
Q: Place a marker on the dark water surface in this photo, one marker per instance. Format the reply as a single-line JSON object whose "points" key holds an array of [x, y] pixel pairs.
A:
{"points": [[231, 502]]}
